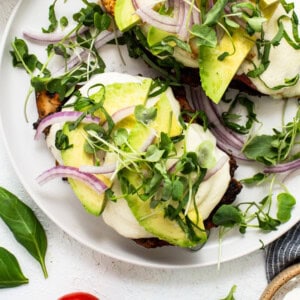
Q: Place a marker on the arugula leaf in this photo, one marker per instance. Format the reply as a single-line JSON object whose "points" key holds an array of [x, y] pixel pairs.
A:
{"points": [[11, 274], [24, 225]]}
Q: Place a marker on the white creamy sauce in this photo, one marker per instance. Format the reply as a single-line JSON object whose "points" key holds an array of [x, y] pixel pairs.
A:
{"points": [[284, 62], [117, 214], [212, 190]]}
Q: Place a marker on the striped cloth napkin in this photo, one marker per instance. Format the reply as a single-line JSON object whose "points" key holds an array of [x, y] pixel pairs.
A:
{"points": [[283, 252]]}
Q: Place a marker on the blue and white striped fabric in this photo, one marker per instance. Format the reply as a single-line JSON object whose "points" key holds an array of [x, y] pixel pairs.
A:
{"points": [[283, 252]]}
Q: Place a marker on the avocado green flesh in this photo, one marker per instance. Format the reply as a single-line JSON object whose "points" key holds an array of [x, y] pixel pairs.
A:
{"points": [[156, 35], [216, 74], [125, 15], [122, 95], [117, 97], [75, 156], [166, 120], [155, 222]]}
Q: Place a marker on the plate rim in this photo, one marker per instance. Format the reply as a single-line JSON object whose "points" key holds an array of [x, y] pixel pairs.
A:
{"points": [[144, 263]]}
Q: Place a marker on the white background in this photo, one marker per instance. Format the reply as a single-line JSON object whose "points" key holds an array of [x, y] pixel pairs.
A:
{"points": [[74, 267]]}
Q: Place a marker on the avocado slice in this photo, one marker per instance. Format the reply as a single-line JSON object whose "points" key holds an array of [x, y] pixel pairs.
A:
{"points": [[156, 35], [117, 97], [166, 118], [216, 74], [155, 222], [125, 15], [75, 156]]}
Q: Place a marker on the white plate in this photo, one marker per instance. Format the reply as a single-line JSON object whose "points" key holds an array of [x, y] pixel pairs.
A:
{"points": [[56, 199]]}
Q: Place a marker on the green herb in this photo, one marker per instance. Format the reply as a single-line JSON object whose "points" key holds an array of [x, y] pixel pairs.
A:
{"points": [[62, 141], [230, 118], [23, 59], [11, 274], [286, 203], [228, 216], [275, 148], [165, 48], [230, 296], [206, 36], [255, 179], [138, 47], [214, 14], [145, 115], [64, 22], [52, 19], [26, 228]]}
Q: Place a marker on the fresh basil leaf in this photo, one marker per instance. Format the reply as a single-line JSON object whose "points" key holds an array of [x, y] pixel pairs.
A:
{"points": [[11, 274], [286, 203], [24, 225]]}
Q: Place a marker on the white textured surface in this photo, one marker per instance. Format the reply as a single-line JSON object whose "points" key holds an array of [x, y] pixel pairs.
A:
{"points": [[73, 267]]}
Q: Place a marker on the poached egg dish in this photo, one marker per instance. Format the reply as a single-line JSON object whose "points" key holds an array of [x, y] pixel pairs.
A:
{"points": [[128, 155], [253, 41]]}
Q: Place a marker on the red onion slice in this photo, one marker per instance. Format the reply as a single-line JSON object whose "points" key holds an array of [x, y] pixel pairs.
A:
{"points": [[219, 165], [103, 169], [121, 115], [102, 39], [71, 172], [281, 168], [150, 16], [50, 38], [228, 141], [62, 117], [148, 141]]}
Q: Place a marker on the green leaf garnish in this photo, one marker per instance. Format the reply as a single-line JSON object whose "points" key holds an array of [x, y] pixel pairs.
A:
{"points": [[26, 228], [11, 274]]}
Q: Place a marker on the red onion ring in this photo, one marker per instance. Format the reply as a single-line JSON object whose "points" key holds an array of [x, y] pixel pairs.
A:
{"points": [[148, 141], [62, 117], [103, 169], [284, 167], [121, 115], [102, 39], [219, 165], [148, 15], [226, 140], [49, 38], [71, 172]]}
